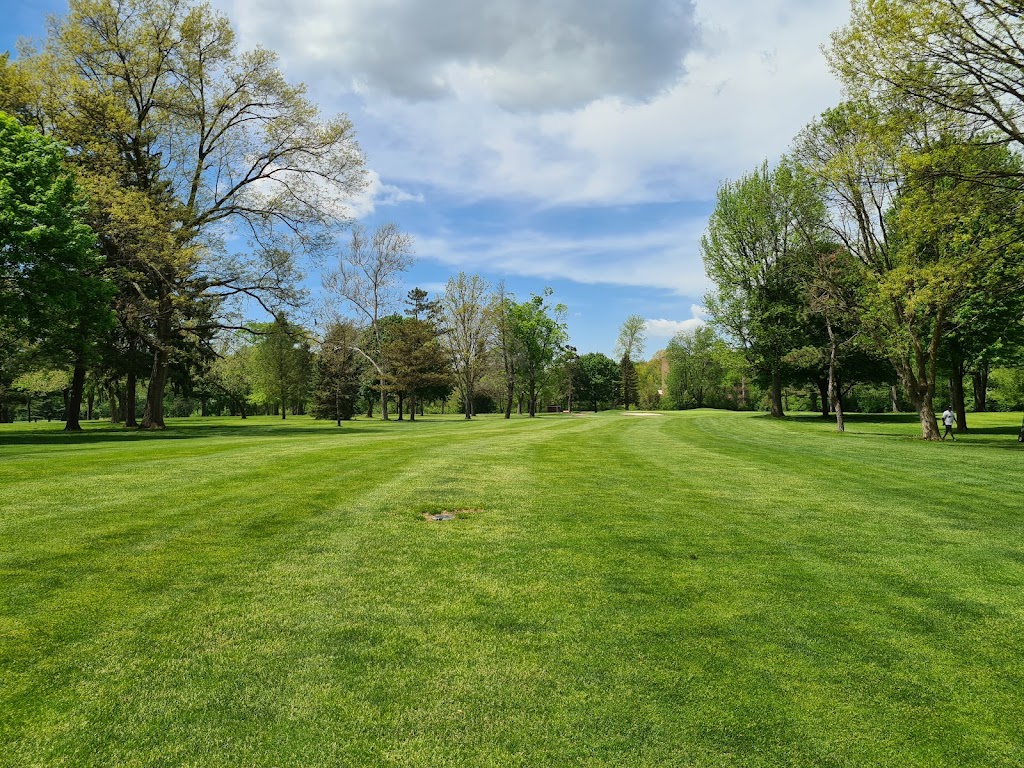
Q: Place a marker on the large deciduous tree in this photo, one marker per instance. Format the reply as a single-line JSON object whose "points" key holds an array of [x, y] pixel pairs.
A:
{"points": [[52, 295], [760, 224], [632, 337], [962, 58], [596, 378], [466, 330], [540, 331], [210, 144]]}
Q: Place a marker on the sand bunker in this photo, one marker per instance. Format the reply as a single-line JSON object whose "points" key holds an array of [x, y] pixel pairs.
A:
{"points": [[640, 413]]}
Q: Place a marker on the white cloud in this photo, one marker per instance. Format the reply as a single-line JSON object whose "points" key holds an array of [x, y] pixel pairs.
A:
{"points": [[666, 329], [550, 103], [661, 258], [522, 54], [654, 131], [375, 193]]}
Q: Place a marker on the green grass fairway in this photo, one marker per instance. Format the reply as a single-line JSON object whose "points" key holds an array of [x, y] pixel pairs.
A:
{"points": [[686, 589]]}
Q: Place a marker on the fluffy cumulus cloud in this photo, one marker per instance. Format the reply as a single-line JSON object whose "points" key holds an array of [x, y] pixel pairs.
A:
{"points": [[560, 103], [666, 329], [522, 54]]}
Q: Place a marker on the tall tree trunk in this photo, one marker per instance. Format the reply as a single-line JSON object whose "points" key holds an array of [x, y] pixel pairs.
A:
{"points": [[922, 397], [533, 397], [510, 387], [894, 398], [401, 406], [115, 405], [202, 406], [90, 402], [153, 417], [775, 395], [28, 400], [383, 401], [823, 385], [241, 407], [412, 406], [834, 395], [130, 396], [73, 412], [979, 378]]}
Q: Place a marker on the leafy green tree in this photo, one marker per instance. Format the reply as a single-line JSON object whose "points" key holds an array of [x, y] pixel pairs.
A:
{"points": [[758, 228], [596, 380], [632, 337], [51, 291], [204, 142], [540, 331], [281, 363], [960, 60], [417, 364], [696, 373], [507, 343], [233, 374], [337, 373], [629, 384], [927, 235]]}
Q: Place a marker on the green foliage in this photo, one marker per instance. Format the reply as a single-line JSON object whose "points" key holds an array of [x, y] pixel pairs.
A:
{"points": [[1007, 389], [698, 374], [539, 331], [281, 365], [596, 381], [51, 293], [337, 373], [628, 384], [755, 234]]}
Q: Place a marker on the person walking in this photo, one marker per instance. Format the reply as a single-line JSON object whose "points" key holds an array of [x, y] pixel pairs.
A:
{"points": [[949, 419]]}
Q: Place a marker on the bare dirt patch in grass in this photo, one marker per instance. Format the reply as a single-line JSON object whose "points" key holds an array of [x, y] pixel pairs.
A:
{"points": [[448, 514]]}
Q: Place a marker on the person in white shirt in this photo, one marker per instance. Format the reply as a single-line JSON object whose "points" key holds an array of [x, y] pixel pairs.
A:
{"points": [[949, 419]]}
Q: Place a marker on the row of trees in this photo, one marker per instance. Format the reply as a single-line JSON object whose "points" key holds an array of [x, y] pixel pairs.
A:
{"points": [[888, 243], [160, 175]]}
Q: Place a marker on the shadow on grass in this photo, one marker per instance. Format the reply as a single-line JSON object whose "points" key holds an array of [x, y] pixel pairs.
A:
{"points": [[93, 434], [864, 421]]}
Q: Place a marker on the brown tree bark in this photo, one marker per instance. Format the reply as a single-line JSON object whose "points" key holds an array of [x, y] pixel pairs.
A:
{"points": [[775, 395], [834, 395], [73, 412], [823, 385], [130, 396], [153, 418], [979, 379]]}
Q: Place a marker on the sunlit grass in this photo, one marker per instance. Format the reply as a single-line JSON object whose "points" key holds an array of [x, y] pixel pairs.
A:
{"points": [[685, 589]]}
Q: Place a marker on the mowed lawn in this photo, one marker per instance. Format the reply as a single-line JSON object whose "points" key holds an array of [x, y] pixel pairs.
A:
{"points": [[686, 589]]}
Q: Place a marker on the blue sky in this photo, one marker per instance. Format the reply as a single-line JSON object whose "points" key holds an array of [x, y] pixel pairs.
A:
{"points": [[575, 144]]}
